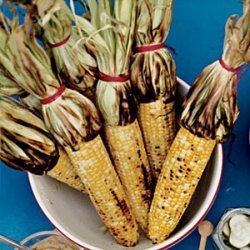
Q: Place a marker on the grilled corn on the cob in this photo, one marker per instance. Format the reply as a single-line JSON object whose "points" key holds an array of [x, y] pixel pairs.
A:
{"points": [[118, 105], [210, 111], [153, 75]]}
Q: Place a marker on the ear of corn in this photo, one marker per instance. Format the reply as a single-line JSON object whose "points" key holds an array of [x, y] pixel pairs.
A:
{"points": [[65, 172], [94, 167], [209, 113], [128, 153], [158, 126], [117, 103], [153, 75], [181, 172]]}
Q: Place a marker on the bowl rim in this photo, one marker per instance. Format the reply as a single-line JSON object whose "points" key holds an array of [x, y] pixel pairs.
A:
{"points": [[161, 246]]}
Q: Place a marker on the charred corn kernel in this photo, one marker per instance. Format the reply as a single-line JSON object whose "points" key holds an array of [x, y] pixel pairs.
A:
{"points": [[158, 125], [94, 167], [65, 172], [181, 172], [126, 147]]}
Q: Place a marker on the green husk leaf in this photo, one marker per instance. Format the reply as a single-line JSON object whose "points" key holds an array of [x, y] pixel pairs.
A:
{"points": [[210, 108], [72, 118], [111, 37], [153, 74], [25, 143]]}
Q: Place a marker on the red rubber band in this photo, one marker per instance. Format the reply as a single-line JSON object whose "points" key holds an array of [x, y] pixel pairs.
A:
{"points": [[23, 94], [107, 78], [149, 47], [53, 97], [224, 66], [64, 41]]}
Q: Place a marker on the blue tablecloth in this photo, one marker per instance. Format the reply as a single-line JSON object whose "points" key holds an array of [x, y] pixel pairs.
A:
{"points": [[197, 34]]}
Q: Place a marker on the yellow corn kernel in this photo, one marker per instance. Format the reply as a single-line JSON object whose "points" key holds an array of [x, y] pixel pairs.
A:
{"points": [[126, 147], [181, 172], [94, 167], [64, 172], [158, 125]]}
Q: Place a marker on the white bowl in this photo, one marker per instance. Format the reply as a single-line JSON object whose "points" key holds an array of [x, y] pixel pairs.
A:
{"points": [[72, 213]]}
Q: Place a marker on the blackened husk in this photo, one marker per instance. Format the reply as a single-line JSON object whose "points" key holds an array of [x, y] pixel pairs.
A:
{"points": [[153, 75], [210, 107], [25, 142]]}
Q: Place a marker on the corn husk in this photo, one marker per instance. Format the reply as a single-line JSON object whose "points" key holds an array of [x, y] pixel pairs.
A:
{"points": [[153, 74], [210, 108], [8, 85], [31, 102], [26, 144], [72, 118], [110, 39], [74, 65]]}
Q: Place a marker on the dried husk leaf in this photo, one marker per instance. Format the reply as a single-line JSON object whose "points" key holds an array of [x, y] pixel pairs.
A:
{"points": [[153, 74], [26, 144], [210, 108], [111, 37], [31, 102], [8, 86], [76, 66], [72, 118]]}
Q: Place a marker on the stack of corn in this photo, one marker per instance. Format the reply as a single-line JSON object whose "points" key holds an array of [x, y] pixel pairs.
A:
{"points": [[209, 113], [74, 122], [153, 75], [116, 101], [121, 193]]}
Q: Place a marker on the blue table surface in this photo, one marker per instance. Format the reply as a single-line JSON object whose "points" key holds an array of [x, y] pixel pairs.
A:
{"points": [[197, 34]]}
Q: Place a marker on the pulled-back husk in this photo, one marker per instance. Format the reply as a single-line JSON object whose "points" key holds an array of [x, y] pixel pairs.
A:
{"points": [[26, 144], [71, 118], [110, 38], [210, 108], [75, 65], [153, 73]]}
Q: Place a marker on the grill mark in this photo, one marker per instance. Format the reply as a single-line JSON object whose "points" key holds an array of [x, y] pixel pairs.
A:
{"points": [[122, 204], [128, 105], [30, 125], [147, 184]]}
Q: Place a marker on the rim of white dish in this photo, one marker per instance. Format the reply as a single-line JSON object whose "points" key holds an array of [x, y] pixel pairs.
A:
{"points": [[203, 211]]}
